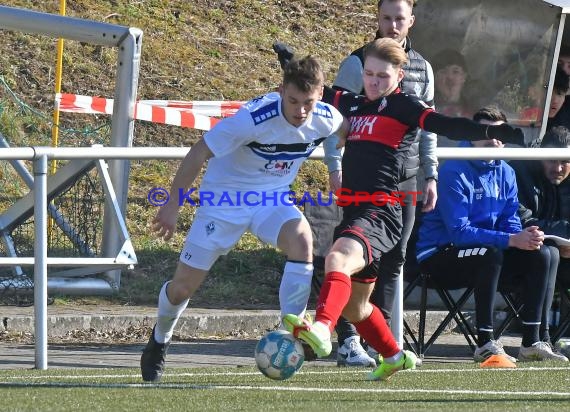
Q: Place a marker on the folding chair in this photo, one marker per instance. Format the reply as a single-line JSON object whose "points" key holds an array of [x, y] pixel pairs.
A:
{"points": [[418, 344], [513, 308], [454, 307], [414, 277]]}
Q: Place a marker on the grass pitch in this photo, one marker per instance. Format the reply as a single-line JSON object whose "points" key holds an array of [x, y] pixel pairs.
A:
{"points": [[534, 386]]}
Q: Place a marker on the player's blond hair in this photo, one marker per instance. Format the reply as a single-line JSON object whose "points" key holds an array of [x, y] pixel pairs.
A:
{"points": [[386, 49]]}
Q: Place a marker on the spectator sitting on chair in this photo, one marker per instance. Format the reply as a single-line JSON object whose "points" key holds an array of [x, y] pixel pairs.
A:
{"points": [[564, 59], [450, 71], [562, 118], [557, 116], [541, 203], [474, 237], [450, 74]]}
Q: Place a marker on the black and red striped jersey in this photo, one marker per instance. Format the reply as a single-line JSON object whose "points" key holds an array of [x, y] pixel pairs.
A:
{"points": [[381, 134], [382, 131]]}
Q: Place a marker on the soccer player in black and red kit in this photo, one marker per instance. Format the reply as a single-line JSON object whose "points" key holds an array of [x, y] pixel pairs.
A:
{"points": [[383, 127]]}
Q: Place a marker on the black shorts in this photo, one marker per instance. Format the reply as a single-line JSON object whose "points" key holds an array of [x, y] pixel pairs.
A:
{"points": [[377, 228]]}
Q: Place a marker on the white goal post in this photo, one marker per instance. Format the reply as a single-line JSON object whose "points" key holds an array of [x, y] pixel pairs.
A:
{"points": [[128, 41]]}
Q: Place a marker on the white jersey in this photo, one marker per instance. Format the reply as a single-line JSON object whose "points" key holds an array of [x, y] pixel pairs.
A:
{"points": [[257, 150]]}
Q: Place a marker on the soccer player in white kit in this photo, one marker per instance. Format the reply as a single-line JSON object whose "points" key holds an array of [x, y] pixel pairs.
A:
{"points": [[254, 157]]}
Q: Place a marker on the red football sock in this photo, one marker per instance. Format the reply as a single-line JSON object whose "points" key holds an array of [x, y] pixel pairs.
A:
{"points": [[334, 296], [377, 333]]}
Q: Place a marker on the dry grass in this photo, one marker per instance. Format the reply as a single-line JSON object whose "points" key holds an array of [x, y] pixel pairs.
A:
{"points": [[192, 50]]}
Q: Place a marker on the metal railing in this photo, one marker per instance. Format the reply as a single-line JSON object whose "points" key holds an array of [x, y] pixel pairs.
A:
{"points": [[41, 155]]}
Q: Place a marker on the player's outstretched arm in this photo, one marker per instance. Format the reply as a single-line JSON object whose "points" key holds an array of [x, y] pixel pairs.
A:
{"points": [[461, 128], [285, 53], [164, 223]]}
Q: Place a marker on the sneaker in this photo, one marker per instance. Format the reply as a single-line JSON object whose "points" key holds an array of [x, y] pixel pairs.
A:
{"points": [[351, 353], [540, 351], [317, 335], [493, 347], [152, 359], [379, 359], [386, 370], [310, 355], [374, 355], [555, 348]]}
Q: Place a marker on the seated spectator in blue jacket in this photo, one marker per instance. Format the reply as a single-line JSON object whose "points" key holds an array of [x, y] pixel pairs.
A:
{"points": [[474, 237], [544, 201]]}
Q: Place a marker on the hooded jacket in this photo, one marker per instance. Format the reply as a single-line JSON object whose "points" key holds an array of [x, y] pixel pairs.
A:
{"points": [[477, 206], [541, 203]]}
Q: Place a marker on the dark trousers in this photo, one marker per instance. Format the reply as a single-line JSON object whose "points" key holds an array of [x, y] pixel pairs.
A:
{"points": [[486, 269], [555, 263], [390, 265]]}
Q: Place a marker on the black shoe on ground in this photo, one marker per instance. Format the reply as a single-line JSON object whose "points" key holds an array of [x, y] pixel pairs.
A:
{"points": [[152, 359]]}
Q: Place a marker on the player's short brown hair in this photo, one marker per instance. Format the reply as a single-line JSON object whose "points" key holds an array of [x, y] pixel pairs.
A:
{"points": [[491, 114], [306, 73], [386, 49], [561, 80]]}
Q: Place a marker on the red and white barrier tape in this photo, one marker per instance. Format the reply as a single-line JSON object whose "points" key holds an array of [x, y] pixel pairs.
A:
{"points": [[178, 113], [224, 108]]}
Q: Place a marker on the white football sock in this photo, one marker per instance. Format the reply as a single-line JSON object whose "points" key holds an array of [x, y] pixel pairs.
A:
{"points": [[168, 315], [395, 358], [295, 288]]}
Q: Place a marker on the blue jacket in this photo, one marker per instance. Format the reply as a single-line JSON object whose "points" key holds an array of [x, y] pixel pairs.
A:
{"points": [[477, 205]]}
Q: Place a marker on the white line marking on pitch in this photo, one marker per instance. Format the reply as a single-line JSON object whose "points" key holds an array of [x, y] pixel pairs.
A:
{"points": [[304, 372], [280, 388]]}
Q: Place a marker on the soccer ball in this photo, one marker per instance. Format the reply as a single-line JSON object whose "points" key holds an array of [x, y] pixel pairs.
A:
{"points": [[279, 355]]}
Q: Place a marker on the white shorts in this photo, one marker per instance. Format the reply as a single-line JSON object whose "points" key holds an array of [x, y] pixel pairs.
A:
{"points": [[215, 230]]}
